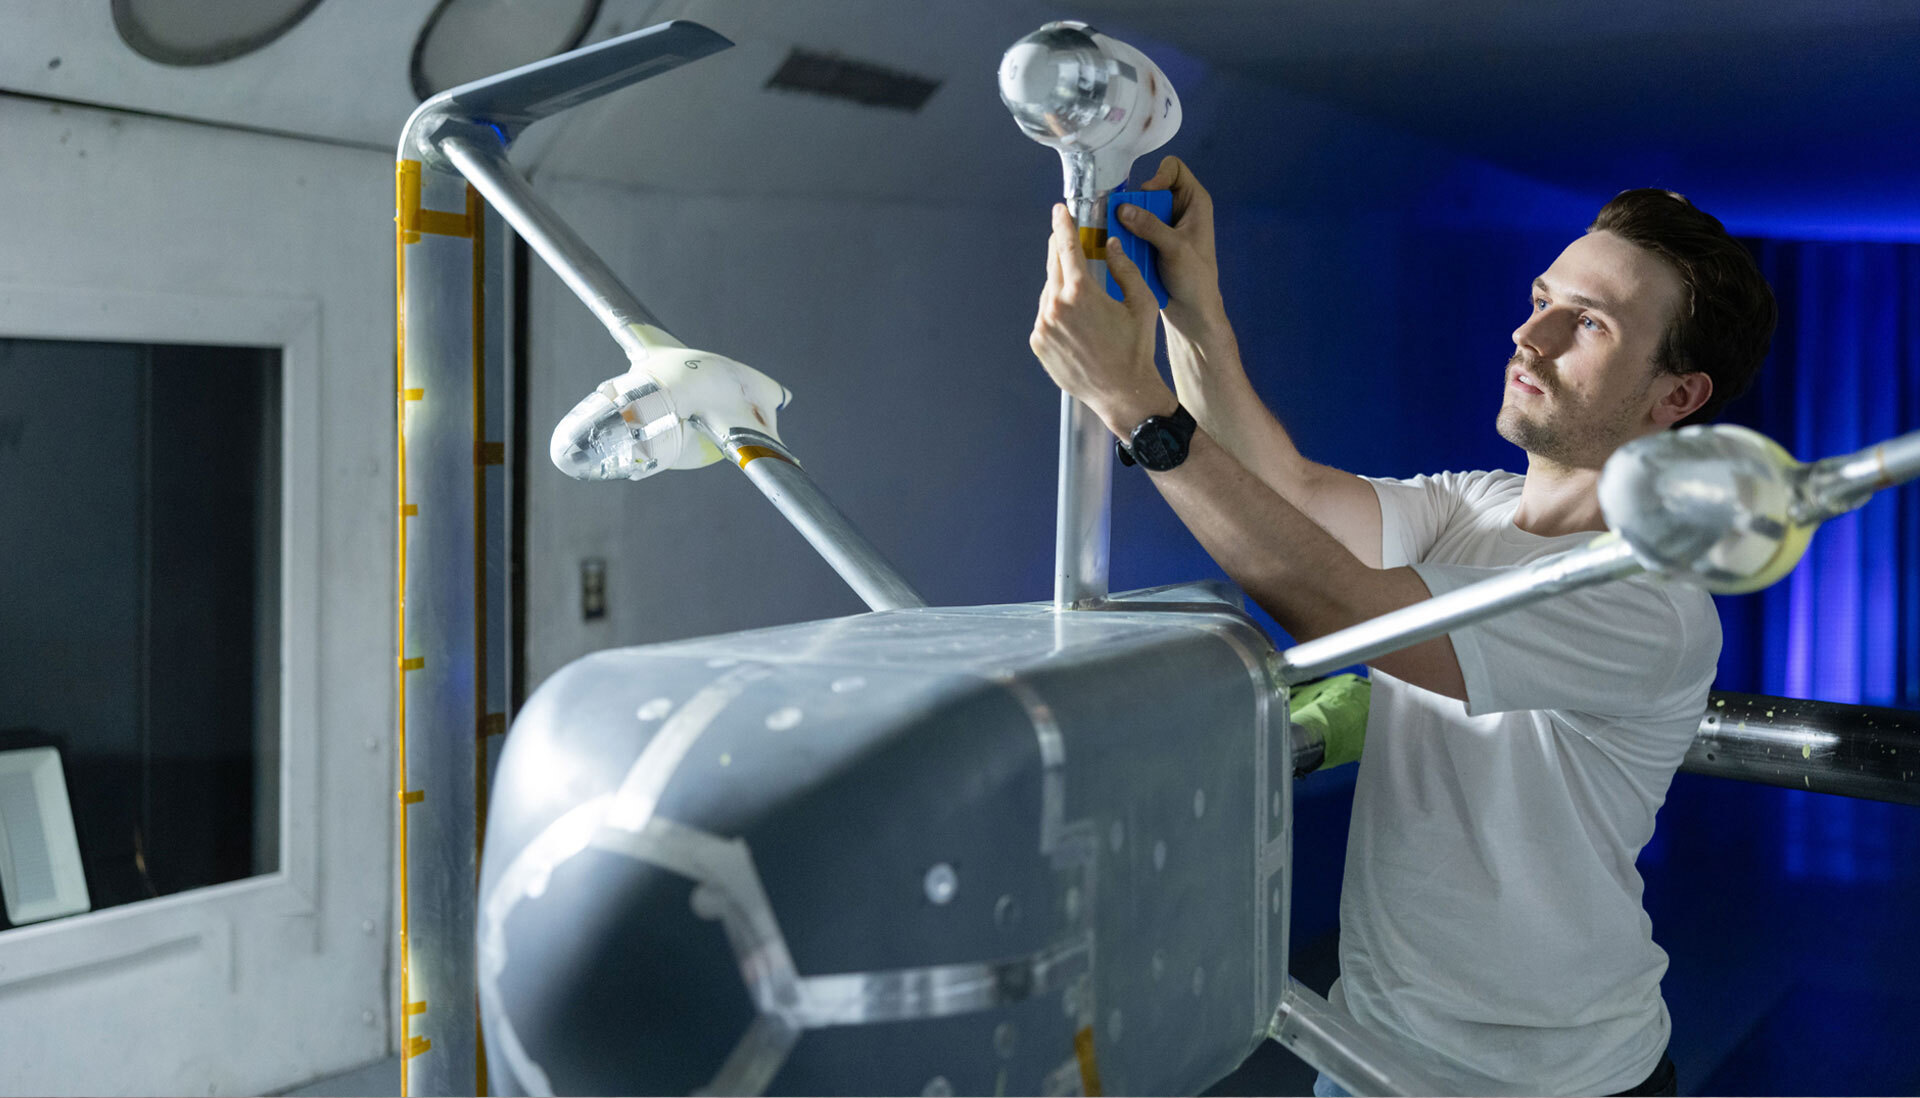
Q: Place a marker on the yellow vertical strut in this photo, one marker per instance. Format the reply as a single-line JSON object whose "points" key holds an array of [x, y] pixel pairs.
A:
{"points": [[410, 222], [406, 197]]}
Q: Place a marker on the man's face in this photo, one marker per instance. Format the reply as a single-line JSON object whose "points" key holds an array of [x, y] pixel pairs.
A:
{"points": [[1581, 379]]}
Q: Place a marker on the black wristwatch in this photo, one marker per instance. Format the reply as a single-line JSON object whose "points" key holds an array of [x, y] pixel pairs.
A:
{"points": [[1160, 442]]}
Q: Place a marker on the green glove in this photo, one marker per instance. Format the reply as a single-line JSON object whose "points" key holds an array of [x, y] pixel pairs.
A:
{"points": [[1336, 708]]}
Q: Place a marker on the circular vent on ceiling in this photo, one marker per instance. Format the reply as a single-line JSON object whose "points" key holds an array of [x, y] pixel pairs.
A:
{"points": [[467, 39], [203, 32]]}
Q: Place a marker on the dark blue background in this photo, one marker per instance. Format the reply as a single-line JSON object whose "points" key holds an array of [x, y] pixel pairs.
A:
{"points": [[1786, 915]]}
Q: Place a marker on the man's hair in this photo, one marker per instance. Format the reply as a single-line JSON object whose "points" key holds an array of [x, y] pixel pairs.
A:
{"points": [[1726, 314]]}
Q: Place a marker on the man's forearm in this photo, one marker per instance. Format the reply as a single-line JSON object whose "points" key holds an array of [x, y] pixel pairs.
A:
{"points": [[1213, 385], [1296, 571]]}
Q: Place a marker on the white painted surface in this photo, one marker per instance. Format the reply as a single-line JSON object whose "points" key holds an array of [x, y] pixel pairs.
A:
{"points": [[340, 73], [900, 329], [121, 227]]}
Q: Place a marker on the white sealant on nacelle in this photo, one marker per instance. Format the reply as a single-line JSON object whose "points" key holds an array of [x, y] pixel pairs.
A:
{"points": [[639, 422]]}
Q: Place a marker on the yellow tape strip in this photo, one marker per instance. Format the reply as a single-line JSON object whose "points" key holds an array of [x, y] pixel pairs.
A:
{"points": [[749, 453], [409, 509], [413, 796], [417, 1008], [1093, 242], [1089, 1070], [413, 219], [416, 1046], [400, 240], [413, 394], [493, 724], [489, 453], [414, 664]]}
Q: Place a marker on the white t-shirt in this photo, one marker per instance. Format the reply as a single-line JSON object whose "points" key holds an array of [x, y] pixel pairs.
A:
{"points": [[1490, 915]]}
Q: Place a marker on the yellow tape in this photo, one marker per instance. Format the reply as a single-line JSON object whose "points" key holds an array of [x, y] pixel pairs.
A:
{"points": [[493, 724], [417, 1008], [414, 219], [413, 796], [415, 1046], [1089, 1070], [414, 664], [1093, 242], [749, 453], [409, 509], [489, 453], [413, 394], [400, 240]]}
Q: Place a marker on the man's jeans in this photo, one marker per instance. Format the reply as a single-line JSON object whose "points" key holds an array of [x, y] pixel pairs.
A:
{"points": [[1663, 1083]]}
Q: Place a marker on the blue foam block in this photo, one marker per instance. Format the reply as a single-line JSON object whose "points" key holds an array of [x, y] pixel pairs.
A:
{"points": [[1160, 204]]}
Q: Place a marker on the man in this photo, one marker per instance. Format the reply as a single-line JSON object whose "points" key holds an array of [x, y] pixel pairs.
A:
{"points": [[1491, 918]]}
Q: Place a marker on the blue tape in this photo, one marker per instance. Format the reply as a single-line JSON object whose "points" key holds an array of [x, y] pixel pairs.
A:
{"points": [[1158, 203]]}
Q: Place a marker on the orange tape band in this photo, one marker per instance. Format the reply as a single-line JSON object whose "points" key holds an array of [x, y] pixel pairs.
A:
{"points": [[1089, 1070], [749, 453], [1093, 242], [414, 220]]}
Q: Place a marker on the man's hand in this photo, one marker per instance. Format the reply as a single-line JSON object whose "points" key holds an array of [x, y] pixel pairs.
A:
{"points": [[1096, 349], [1188, 266]]}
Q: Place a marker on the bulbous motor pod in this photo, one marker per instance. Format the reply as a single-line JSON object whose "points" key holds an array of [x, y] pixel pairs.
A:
{"points": [[1714, 505]]}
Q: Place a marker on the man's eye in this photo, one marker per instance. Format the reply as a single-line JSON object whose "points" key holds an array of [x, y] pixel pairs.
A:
{"points": [[1588, 323], [1539, 303]]}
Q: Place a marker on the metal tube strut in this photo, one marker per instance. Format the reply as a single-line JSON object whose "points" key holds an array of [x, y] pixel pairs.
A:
{"points": [[1850, 750], [1324, 1036], [1084, 506], [1607, 558], [787, 486], [577, 264], [1840, 484]]}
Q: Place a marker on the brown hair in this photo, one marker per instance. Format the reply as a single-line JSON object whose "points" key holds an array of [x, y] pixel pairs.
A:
{"points": [[1725, 321]]}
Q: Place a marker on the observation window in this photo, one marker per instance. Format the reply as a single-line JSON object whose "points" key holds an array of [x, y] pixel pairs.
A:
{"points": [[140, 540]]}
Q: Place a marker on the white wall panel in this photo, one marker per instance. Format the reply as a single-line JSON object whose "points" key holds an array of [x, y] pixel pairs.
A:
{"points": [[901, 331], [168, 230]]}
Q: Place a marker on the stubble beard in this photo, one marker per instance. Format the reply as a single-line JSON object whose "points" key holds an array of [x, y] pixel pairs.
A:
{"points": [[1561, 433]]}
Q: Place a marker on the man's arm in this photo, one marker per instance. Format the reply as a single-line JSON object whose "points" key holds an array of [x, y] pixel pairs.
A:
{"points": [[1212, 382], [1101, 351], [1296, 571]]}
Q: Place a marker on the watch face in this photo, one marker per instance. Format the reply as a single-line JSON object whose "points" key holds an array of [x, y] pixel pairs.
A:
{"points": [[1158, 446]]}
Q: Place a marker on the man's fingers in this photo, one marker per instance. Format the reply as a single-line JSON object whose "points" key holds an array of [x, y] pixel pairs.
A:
{"points": [[1065, 248], [1163, 178], [1054, 274], [1142, 223], [1128, 276], [1175, 176]]}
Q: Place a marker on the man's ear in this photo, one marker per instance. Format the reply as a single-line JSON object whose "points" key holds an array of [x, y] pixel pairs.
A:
{"points": [[1684, 395]]}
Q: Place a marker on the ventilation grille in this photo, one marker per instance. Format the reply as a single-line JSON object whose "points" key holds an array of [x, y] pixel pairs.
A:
{"points": [[855, 81]]}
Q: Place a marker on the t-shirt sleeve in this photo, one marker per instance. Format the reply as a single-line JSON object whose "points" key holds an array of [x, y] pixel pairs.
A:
{"points": [[1628, 648], [1415, 512]]}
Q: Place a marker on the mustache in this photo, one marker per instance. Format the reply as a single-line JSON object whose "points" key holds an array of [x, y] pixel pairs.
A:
{"points": [[1539, 369]]}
